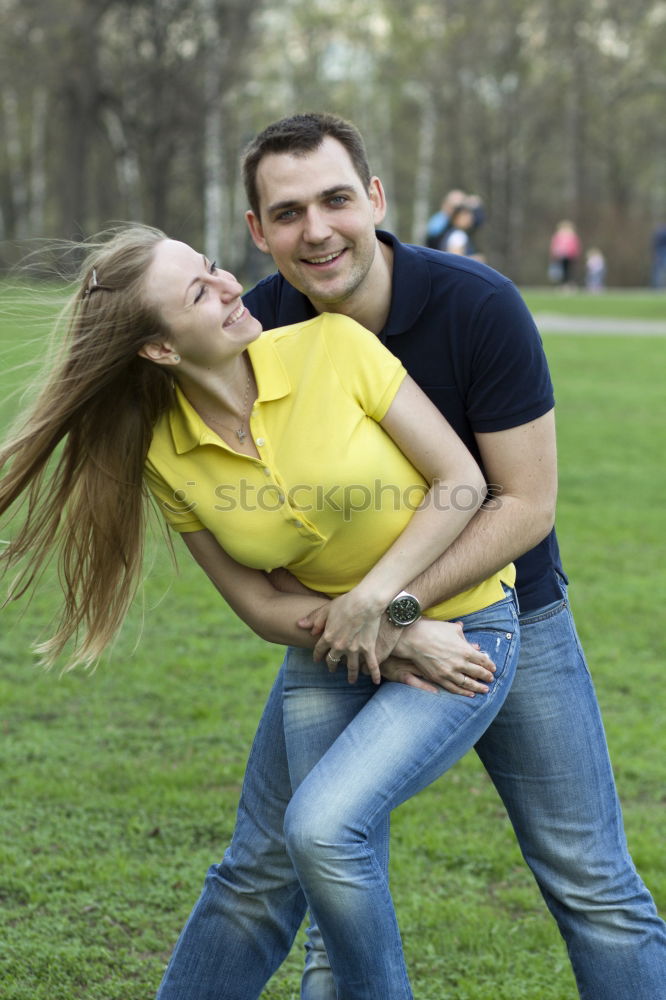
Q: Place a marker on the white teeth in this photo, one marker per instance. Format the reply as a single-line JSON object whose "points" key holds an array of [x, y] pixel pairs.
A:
{"points": [[235, 315], [324, 260]]}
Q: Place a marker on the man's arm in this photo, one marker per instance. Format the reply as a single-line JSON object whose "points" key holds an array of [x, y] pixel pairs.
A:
{"points": [[521, 463]]}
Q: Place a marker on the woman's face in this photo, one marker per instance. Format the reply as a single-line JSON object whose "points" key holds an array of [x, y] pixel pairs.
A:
{"points": [[200, 306]]}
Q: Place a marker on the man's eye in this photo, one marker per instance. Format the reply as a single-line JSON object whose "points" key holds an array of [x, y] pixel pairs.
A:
{"points": [[339, 199], [287, 215]]}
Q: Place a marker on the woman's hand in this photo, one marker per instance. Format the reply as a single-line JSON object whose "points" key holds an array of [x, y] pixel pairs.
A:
{"points": [[424, 654], [439, 653], [350, 626], [315, 622]]}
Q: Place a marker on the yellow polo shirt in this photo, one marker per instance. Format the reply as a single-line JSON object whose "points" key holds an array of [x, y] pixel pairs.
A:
{"points": [[330, 491]]}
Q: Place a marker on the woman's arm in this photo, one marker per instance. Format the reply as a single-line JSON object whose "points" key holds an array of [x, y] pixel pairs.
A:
{"points": [[271, 602], [456, 492], [269, 612]]}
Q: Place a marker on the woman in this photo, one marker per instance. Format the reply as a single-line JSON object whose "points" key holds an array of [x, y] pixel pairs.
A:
{"points": [[306, 448], [565, 249]]}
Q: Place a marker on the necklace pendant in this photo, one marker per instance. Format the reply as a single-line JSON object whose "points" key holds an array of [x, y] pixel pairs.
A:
{"points": [[241, 435]]}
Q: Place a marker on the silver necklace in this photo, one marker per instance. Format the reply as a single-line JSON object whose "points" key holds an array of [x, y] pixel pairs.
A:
{"points": [[240, 432]]}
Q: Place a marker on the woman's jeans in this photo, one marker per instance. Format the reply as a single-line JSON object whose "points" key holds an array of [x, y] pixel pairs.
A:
{"points": [[546, 754], [399, 741]]}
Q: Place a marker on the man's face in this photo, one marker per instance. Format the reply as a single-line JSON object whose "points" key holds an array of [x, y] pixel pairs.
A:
{"points": [[318, 222]]}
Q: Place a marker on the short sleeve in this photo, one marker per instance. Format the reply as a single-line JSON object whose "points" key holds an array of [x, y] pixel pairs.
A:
{"points": [[509, 382], [366, 369], [174, 507]]}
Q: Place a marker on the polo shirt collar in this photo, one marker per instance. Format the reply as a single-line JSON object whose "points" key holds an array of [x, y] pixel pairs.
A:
{"points": [[410, 291], [410, 286], [189, 431]]}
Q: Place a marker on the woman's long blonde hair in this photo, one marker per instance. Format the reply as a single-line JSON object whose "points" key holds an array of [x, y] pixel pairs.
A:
{"points": [[99, 401]]}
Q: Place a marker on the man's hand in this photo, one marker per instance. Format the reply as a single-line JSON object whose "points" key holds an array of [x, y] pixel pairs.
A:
{"points": [[314, 622], [439, 652], [403, 672]]}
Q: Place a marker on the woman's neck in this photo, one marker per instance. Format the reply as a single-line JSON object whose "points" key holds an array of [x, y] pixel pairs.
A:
{"points": [[223, 400], [226, 393]]}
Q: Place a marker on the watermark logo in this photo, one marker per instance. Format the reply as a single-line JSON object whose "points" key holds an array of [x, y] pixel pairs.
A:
{"points": [[345, 499]]}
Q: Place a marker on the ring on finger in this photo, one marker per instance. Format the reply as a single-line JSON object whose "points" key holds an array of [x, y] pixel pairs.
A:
{"points": [[333, 659]]}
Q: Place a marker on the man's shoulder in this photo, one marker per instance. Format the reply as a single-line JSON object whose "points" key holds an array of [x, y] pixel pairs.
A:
{"points": [[447, 295], [439, 278], [453, 268]]}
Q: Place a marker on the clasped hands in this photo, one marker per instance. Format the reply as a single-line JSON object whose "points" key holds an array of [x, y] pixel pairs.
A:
{"points": [[428, 655]]}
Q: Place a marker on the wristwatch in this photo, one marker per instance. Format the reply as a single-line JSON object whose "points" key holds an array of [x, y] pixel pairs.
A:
{"points": [[404, 610]]}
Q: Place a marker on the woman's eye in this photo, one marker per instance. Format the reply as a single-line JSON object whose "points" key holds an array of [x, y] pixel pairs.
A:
{"points": [[202, 290]]}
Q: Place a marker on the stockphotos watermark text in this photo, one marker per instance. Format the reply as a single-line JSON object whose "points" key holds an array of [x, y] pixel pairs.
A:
{"points": [[347, 499]]}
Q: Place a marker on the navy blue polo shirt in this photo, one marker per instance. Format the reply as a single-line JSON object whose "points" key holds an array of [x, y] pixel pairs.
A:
{"points": [[465, 335]]}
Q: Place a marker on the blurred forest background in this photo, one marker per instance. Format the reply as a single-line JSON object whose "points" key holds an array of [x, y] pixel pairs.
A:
{"points": [[139, 109]]}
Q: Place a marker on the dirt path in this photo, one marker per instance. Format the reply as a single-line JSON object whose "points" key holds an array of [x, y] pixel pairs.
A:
{"points": [[599, 326]]}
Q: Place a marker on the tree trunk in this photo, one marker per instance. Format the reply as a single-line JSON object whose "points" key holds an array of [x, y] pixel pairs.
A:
{"points": [[38, 161], [14, 153], [214, 204], [423, 193], [128, 171]]}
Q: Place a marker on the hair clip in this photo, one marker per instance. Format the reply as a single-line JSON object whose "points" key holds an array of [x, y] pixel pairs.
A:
{"points": [[94, 285]]}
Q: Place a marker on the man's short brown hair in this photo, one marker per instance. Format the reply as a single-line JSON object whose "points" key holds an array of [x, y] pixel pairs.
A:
{"points": [[299, 135]]}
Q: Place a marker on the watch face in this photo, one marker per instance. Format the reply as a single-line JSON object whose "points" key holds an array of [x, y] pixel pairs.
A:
{"points": [[404, 610]]}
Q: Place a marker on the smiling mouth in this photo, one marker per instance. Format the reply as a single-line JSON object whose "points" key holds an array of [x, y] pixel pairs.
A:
{"points": [[325, 259], [236, 315]]}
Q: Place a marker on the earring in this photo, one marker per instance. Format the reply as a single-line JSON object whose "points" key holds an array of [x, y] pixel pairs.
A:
{"points": [[176, 358]]}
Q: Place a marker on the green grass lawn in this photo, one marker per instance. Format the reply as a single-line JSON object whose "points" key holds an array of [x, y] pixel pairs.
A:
{"points": [[119, 788]]}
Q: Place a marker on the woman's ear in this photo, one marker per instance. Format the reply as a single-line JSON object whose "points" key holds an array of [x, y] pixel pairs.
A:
{"points": [[160, 352]]}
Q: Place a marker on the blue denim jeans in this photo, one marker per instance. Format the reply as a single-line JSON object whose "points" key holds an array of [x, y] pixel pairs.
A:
{"points": [[547, 756], [546, 753], [347, 776]]}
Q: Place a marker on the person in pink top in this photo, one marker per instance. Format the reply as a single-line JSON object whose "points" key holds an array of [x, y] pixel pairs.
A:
{"points": [[565, 248]]}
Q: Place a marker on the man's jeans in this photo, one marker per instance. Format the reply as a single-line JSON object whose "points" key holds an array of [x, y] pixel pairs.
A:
{"points": [[547, 755]]}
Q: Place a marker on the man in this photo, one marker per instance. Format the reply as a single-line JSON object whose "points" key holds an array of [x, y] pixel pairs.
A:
{"points": [[465, 335]]}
